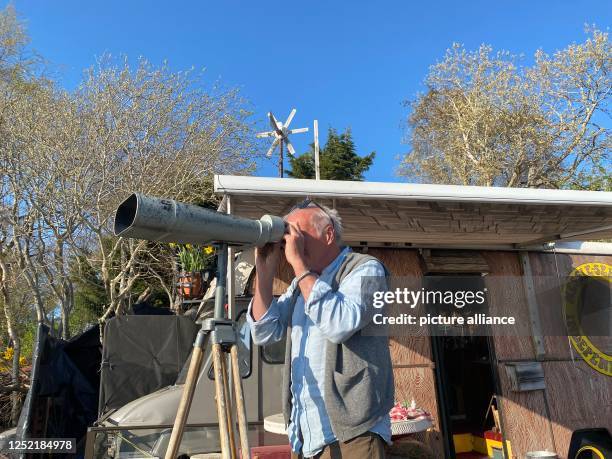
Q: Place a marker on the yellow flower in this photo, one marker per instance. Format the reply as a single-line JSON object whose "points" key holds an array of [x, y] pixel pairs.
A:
{"points": [[188, 246], [8, 354], [209, 249], [172, 245]]}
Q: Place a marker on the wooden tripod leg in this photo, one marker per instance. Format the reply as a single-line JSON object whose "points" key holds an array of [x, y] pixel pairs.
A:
{"points": [[240, 405], [185, 403], [228, 408], [221, 402]]}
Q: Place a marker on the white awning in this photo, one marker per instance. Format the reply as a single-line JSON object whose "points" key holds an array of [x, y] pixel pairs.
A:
{"points": [[419, 214]]}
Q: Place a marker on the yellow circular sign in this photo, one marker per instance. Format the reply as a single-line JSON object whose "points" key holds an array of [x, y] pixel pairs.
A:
{"points": [[592, 355], [591, 449]]}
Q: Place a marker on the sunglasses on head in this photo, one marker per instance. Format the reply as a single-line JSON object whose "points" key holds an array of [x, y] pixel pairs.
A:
{"points": [[306, 203]]}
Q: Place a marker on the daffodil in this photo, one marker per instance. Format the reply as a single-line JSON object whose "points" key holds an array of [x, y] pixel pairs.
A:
{"points": [[8, 354], [194, 258]]}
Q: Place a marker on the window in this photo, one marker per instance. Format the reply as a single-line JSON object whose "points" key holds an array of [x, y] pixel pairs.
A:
{"points": [[274, 354]]}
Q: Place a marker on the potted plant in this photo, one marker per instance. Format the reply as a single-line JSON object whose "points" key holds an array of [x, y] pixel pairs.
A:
{"points": [[193, 261]]}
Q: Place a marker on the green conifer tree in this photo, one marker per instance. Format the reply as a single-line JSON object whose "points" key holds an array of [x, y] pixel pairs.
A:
{"points": [[339, 159]]}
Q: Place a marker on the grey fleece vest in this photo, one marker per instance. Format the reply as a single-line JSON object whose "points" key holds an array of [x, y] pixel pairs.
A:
{"points": [[358, 385]]}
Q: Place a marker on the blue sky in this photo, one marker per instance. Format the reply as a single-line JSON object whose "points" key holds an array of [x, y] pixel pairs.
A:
{"points": [[347, 64]]}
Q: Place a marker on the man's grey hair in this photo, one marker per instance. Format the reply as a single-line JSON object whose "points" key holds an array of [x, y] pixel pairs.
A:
{"points": [[329, 217], [326, 216]]}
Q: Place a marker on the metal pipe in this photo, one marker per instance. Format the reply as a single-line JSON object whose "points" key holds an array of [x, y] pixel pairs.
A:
{"points": [[221, 286], [166, 220]]}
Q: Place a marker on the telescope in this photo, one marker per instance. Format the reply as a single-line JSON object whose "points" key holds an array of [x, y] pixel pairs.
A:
{"points": [[166, 220]]}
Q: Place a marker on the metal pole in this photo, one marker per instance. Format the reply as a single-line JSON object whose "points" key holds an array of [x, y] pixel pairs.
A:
{"points": [[316, 152], [280, 161], [221, 288], [231, 282], [231, 287]]}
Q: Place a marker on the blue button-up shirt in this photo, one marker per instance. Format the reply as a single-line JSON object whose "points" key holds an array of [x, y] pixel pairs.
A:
{"points": [[327, 316]]}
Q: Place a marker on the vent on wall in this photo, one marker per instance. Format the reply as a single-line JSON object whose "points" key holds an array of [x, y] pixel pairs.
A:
{"points": [[525, 376]]}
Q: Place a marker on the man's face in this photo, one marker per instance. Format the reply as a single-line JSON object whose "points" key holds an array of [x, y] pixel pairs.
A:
{"points": [[316, 243]]}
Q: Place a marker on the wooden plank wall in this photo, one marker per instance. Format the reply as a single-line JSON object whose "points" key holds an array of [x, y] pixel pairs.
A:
{"points": [[524, 417], [576, 396], [413, 365]]}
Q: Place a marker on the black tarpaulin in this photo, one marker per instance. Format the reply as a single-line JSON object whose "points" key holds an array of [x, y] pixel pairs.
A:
{"points": [[142, 354], [61, 402]]}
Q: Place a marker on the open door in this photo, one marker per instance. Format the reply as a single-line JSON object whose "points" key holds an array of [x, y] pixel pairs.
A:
{"points": [[465, 381]]}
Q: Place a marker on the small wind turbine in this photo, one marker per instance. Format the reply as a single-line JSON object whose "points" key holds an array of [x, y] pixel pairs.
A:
{"points": [[280, 131]]}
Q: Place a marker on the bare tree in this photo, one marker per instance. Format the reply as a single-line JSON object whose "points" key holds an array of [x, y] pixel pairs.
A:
{"points": [[162, 267], [15, 230], [69, 158], [8, 306], [43, 133], [18, 83], [153, 131], [486, 121], [15, 303]]}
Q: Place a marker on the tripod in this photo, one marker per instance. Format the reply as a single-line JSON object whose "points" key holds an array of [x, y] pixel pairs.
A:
{"points": [[223, 335]]}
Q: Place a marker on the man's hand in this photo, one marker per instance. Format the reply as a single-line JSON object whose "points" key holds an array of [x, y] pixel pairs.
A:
{"points": [[294, 253], [294, 249], [267, 259], [266, 264]]}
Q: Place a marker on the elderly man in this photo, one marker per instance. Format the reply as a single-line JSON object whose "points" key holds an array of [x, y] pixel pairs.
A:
{"points": [[338, 383]]}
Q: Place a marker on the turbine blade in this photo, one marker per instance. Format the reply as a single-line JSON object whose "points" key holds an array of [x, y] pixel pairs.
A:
{"points": [[274, 123], [263, 135], [298, 130], [272, 147], [290, 148], [290, 117]]}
